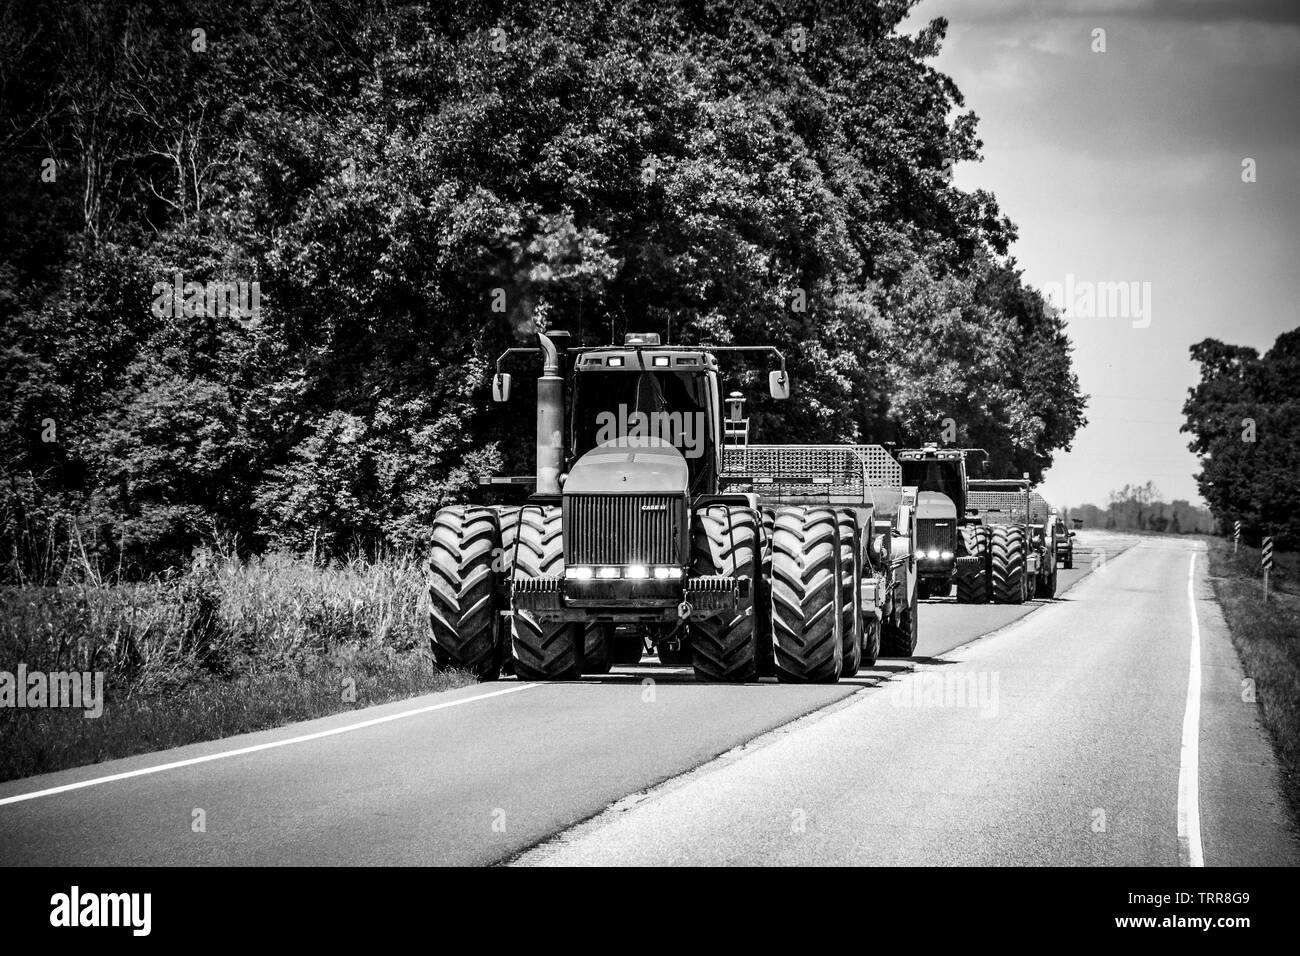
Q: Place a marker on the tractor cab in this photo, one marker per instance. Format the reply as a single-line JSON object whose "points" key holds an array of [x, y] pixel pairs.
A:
{"points": [[937, 470], [644, 395]]}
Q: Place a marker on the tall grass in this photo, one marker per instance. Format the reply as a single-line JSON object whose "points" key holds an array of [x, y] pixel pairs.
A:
{"points": [[225, 647]]}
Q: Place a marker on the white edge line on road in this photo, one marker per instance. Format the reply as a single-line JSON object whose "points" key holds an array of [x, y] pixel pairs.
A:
{"points": [[1189, 806], [270, 745]]}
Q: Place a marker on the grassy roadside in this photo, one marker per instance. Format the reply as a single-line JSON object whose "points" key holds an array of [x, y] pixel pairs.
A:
{"points": [[1267, 638], [228, 647]]}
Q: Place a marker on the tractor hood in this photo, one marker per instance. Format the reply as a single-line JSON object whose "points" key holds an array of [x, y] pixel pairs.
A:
{"points": [[933, 504], [635, 465]]}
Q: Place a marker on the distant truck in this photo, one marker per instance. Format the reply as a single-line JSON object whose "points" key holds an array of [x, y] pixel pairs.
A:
{"points": [[1064, 545]]}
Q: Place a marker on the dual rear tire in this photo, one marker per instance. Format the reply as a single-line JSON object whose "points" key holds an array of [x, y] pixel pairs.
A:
{"points": [[801, 616], [1008, 572], [972, 576], [807, 617], [462, 614]]}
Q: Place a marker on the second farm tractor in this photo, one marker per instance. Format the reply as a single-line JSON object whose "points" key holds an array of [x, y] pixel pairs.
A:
{"points": [[654, 525], [995, 539]]}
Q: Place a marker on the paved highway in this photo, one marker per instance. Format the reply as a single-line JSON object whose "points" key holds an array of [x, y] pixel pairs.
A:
{"points": [[1080, 710]]}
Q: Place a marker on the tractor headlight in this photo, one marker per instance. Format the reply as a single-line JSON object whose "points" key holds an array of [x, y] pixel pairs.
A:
{"points": [[637, 571], [932, 554], [607, 573], [947, 555], [580, 574], [663, 574]]}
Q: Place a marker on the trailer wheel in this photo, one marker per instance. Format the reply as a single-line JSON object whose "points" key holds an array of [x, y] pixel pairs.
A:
{"points": [[850, 593], [1046, 585], [598, 650], [898, 637], [870, 639], [627, 646], [806, 616], [462, 616], [673, 658], [1007, 562], [972, 582], [724, 540], [543, 650]]}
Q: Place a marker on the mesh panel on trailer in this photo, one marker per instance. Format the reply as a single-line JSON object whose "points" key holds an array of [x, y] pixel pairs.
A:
{"points": [[998, 507], [810, 469]]}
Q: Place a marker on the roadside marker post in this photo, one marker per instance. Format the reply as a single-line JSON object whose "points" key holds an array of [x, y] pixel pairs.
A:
{"points": [[1266, 561], [1236, 536]]}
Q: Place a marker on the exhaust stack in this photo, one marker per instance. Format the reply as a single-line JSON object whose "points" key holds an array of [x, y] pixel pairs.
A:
{"points": [[550, 419]]}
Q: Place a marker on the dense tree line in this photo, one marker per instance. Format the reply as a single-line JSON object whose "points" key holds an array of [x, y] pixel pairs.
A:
{"points": [[1244, 418], [1143, 508], [410, 188]]}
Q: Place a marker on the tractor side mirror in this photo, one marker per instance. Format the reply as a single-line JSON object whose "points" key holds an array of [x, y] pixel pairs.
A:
{"points": [[1071, 534], [778, 383], [501, 387]]}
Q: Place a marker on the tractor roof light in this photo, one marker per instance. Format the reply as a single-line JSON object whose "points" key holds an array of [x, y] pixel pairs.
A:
{"points": [[660, 361], [615, 361]]}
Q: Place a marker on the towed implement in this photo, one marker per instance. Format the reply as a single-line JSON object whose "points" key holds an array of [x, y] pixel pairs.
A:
{"points": [[653, 524], [1012, 534]]}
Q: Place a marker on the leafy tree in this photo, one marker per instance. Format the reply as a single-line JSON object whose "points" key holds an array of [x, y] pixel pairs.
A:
{"points": [[1244, 418]]}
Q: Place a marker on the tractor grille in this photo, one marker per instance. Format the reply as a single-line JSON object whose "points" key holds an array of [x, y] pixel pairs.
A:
{"points": [[623, 529], [940, 535]]}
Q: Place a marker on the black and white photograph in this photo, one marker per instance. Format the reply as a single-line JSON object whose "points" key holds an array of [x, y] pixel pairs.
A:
{"points": [[654, 434]]}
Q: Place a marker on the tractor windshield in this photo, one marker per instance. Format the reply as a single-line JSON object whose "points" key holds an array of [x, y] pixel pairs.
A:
{"points": [[941, 476], [672, 406]]}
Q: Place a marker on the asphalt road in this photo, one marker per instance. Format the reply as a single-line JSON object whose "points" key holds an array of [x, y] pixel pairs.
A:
{"points": [[1085, 714], [1059, 743]]}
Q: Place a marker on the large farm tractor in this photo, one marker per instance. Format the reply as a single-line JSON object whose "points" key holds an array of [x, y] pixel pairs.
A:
{"points": [[1012, 531], [653, 525], [939, 475]]}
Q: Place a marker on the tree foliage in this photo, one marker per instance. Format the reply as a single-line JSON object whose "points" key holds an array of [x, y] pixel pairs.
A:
{"points": [[416, 186], [1244, 418]]}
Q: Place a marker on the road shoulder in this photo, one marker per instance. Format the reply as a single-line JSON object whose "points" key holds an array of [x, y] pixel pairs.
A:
{"points": [[1244, 815]]}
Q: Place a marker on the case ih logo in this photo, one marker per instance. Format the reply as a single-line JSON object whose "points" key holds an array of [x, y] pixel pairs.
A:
{"points": [[654, 507]]}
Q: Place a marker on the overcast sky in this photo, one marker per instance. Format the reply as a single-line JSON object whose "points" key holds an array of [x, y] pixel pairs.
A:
{"points": [[1126, 166]]}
